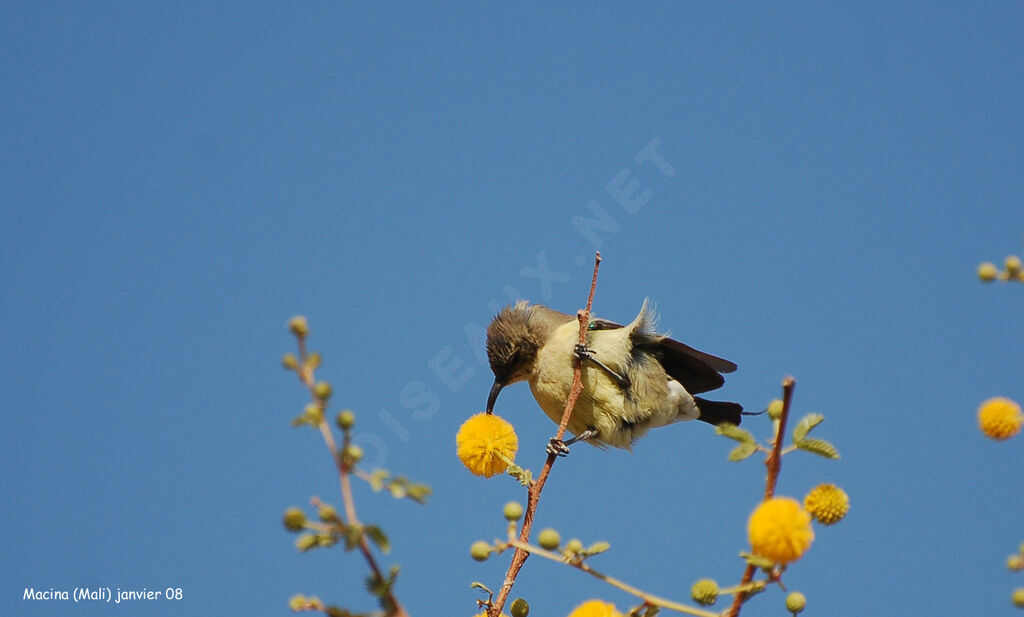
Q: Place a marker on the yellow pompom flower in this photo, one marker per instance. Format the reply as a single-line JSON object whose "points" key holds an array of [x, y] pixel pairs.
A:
{"points": [[595, 608], [704, 591], [827, 503], [780, 530], [1000, 418], [486, 444]]}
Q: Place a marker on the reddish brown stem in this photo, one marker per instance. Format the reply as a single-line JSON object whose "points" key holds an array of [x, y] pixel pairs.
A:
{"points": [[774, 460], [774, 464], [306, 376], [533, 493]]}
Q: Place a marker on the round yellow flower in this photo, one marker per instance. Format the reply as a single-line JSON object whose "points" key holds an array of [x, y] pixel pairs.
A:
{"points": [[595, 608], [1000, 418], [827, 503], [780, 530], [486, 444]]}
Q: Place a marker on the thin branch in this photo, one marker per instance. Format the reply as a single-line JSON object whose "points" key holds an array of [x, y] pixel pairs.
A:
{"points": [[774, 464], [344, 476], [774, 461], [533, 493], [648, 598]]}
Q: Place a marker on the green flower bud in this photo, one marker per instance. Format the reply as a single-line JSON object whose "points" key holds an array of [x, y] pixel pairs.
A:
{"points": [[346, 419], [313, 360], [796, 602], [289, 361], [305, 542], [327, 513], [574, 546], [1013, 265], [513, 510], [704, 591], [549, 539], [520, 608], [294, 519], [322, 390], [775, 409], [352, 454], [298, 326], [988, 272], [480, 550], [1015, 563], [1018, 597]]}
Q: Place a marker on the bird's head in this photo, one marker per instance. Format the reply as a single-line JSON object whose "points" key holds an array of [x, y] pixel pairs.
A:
{"points": [[512, 346]]}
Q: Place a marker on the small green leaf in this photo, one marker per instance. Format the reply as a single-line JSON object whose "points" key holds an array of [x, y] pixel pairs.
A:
{"points": [[808, 422], [819, 447], [479, 585], [377, 477], [376, 585], [377, 536], [306, 542], [419, 492], [742, 451], [734, 432], [353, 536], [757, 561], [523, 475], [597, 548], [326, 539]]}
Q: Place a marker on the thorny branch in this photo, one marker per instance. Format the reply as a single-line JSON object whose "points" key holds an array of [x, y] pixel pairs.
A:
{"points": [[774, 464], [344, 475], [533, 494], [648, 598]]}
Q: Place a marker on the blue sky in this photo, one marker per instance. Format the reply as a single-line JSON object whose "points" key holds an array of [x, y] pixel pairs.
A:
{"points": [[179, 179]]}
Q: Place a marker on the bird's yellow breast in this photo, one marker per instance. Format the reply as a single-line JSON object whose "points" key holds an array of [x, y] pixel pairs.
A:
{"points": [[601, 405]]}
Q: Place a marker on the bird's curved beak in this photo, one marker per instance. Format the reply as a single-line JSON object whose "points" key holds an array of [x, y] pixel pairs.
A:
{"points": [[493, 396]]}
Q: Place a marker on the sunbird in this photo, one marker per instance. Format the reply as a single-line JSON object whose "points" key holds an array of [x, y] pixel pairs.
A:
{"points": [[634, 379]]}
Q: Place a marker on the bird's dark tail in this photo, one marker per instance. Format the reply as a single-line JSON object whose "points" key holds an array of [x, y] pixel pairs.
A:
{"points": [[717, 412]]}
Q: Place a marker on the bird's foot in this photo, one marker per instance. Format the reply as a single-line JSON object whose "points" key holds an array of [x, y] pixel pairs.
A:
{"points": [[557, 447], [585, 353]]}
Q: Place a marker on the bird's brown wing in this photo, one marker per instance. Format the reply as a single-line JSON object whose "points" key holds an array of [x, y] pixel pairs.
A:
{"points": [[696, 370]]}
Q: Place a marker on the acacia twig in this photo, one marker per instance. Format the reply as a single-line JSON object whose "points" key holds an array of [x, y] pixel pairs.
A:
{"points": [[774, 464], [648, 598], [344, 476], [533, 492]]}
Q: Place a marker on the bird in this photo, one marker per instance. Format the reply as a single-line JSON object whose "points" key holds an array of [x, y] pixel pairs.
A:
{"points": [[634, 378]]}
